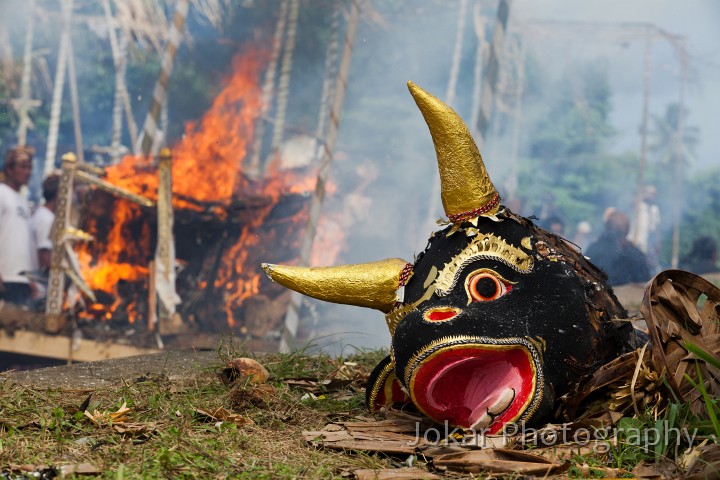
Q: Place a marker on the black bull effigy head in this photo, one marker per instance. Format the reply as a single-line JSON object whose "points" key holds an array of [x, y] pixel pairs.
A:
{"points": [[495, 320]]}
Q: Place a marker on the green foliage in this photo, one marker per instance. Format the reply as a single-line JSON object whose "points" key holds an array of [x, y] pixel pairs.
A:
{"points": [[8, 116], [567, 148], [700, 208], [711, 407], [667, 143]]}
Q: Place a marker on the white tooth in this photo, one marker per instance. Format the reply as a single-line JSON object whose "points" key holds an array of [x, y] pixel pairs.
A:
{"points": [[482, 422], [502, 403]]}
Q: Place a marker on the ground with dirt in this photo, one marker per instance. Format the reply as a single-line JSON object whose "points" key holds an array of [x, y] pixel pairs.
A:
{"points": [[105, 373]]}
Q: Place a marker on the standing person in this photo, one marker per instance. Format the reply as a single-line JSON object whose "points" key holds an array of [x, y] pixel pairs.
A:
{"points": [[702, 257], [42, 222], [645, 231], [616, 255], [582, 234], [17, 248]]}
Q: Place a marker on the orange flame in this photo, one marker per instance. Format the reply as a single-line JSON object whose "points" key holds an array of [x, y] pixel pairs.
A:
{"points": [[206, 168]]}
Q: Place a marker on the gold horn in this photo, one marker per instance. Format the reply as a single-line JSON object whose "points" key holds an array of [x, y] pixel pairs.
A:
{"points": [[467, 191], [371, 285]]}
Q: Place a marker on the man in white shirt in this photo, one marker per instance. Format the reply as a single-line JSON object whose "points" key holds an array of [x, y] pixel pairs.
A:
{"points": [[645, 231], [17, 247], [42, 221]]}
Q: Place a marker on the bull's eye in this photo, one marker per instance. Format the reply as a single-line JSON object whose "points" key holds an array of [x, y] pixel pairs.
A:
{"points": [[485, 285]]}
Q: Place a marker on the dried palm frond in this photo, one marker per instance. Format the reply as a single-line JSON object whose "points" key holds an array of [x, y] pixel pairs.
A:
{"points": [[682, 311], [148, 21], [596, 388], [643, 392], [144, 21], [704, 462]]}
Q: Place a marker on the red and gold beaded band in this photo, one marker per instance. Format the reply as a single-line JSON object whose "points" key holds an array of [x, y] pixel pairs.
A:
{"points": [[405, 275], [464, 216]]}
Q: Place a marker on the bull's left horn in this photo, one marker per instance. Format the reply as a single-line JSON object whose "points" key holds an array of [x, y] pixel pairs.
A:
{"points": [[371, 285], [467, 191]]}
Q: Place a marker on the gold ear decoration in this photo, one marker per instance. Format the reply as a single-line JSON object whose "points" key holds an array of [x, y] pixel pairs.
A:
{"points": [[467, 191], [372, 285]]}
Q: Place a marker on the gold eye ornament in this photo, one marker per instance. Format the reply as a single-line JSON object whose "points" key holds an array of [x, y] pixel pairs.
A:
{"points": [[486, 285]]}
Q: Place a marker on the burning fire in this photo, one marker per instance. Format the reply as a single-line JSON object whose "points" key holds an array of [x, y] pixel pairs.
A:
{"points": [[207, 178]]}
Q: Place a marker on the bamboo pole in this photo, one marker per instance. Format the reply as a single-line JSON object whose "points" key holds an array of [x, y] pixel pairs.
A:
{"points": [[58, 85], [678, 181], [457, 53], [519, 57], [119, 100], [330, 66], [434, 206], [284, 83], [85, 177], [152, 298], [492, 69], [642, 163], [119, 53], [56, 284], [72, 79], [149, 137], [24, 104], [165, 251], [129, 118], [253, 168], [292, 317], [480, 52]]}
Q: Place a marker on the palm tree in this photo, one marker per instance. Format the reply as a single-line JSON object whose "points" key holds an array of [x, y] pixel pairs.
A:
{"points": [[671, 140]]}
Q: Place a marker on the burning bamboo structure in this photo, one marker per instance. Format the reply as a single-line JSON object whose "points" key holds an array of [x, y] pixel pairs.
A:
{"points": [[201, 220], [63, 233]]}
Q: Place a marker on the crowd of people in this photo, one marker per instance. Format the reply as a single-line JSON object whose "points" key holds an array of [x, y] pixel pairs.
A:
{"points": [[629, 252], [25, 235]]}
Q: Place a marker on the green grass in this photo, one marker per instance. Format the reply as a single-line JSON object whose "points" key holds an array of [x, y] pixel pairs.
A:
{"points": [[46, 428]]}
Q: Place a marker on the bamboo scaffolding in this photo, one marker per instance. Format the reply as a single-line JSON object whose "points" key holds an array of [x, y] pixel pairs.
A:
{"points": [[480, 53], [73, 171], [58, 85], [492, 69], [56, 283], [25, 102], [149, 141], [434, 207], [284, 83], [677, 159], [253, 167], [119, 50], [72, 80], [292, 317], [330, 68]]}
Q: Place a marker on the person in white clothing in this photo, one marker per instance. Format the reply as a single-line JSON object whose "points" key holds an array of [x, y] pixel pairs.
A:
{"points": [[645, 232], [17, 247], [42, 222]]}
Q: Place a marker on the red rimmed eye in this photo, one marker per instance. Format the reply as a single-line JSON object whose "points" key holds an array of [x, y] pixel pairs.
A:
{"points": [[486, 286]]}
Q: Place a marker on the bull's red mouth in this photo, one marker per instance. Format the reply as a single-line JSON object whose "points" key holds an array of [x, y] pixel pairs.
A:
{"points": [[481, 386]]}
